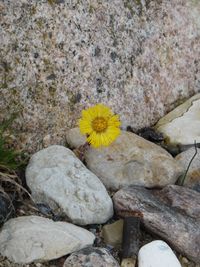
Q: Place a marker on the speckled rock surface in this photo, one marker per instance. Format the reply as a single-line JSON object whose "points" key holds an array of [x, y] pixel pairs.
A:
{"points": [[98, 257], [57, 57]]}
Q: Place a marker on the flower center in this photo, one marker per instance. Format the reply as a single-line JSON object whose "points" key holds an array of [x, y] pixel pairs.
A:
{"points": [[99, 124]]}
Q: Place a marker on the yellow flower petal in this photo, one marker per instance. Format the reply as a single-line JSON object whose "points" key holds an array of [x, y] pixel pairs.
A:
{"points": [[100, 125], [114, 121], [85, 126]]}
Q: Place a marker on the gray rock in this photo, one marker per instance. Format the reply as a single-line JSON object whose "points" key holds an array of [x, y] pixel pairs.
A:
{"points": [[33, 238], [140, 58], [157, 254], [181, 126], [98, 257], [132, 160], [74, 138], [193, 175], [180, 231], [57, 177]]}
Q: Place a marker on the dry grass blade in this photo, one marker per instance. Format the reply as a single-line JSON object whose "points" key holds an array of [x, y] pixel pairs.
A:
{"points": [[11, 187], [11, 207], [10, 178]]}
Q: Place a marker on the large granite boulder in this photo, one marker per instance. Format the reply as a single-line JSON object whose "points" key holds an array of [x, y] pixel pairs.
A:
{"points": [[57, 57]]}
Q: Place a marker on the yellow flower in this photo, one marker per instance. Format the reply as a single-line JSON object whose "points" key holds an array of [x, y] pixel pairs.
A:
{"points": [[100, 125]]}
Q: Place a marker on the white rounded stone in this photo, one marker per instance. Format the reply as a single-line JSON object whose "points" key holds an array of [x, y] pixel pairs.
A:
{"points": [[157, 254], [74, 138], [57, 177], [33, 238]]}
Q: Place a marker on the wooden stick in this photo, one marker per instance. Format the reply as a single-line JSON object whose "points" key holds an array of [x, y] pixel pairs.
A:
{"points": [[131, 240]]}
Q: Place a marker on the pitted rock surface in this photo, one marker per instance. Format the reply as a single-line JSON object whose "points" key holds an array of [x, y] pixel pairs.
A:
{"points": [[58, 178], [57, 57]]}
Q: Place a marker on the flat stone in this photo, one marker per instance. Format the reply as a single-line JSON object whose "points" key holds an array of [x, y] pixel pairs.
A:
{"points": [[74, 138], [91, 256], [32, 238], [157, 254], [182, 126], [112, 233], [181, 231], [57, 57], [132, 160], [193, 175], [58, 178]]}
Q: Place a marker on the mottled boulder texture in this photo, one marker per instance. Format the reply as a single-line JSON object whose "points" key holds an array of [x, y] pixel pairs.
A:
{"points": [[57, 57], [91, 256]]}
